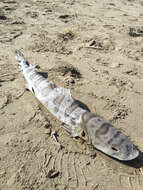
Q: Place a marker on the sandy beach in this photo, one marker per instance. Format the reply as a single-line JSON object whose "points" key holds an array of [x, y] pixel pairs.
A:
{"points": [[95, 49]]}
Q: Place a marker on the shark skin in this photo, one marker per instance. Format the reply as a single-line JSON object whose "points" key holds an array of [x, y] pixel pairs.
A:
{"points": [[80, 122]]}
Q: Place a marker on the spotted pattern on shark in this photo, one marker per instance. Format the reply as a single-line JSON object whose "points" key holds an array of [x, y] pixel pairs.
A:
{"points": [[59, 101]]}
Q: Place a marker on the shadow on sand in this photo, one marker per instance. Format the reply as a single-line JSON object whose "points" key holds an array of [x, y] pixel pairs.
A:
{"points": [[136, 163]]}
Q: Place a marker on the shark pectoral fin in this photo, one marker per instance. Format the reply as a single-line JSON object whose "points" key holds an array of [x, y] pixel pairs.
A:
{"points": [[83, 134]]}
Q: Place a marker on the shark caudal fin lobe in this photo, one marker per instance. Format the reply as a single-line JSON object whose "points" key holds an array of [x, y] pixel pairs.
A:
{"points": [[22, 62], [26, 68]]}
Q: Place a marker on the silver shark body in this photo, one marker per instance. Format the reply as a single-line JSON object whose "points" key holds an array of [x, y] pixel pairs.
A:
{"points": [[60, 103]]}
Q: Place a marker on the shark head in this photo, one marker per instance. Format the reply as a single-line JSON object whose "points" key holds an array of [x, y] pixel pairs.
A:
{"points": [[108, 139]]}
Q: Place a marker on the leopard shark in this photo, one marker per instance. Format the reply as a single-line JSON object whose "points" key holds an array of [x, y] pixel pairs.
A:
{"points": [[79, 121]]}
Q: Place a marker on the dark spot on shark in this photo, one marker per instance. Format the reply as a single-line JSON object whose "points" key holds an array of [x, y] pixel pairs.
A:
{"points": [[117, 134], [58, 101], [110, 141], [56, 109], [83, 134], [71, 108], [27, 63], [86, 116], [33, 90], [52, 85], [103, 129], [73, 121], [121, 141], [128, 147], [114, 137]]}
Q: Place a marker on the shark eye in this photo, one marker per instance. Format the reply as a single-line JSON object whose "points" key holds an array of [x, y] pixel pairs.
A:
{"points": [[115, 149]]}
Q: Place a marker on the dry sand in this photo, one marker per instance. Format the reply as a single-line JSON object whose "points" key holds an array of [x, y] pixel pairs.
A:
{"points": [[103, 41]]}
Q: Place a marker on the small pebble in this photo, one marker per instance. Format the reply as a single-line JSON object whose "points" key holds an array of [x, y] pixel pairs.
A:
{"points": [[52, 173]]}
